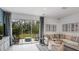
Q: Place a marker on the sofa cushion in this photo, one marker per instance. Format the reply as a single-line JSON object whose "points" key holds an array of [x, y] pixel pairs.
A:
{"points": [[56, 46], [58, 41], [68, 37], [62, 36], [74, 39], [77, 39], [57, 35], [52, 35], [70, 42], [45, 38]]}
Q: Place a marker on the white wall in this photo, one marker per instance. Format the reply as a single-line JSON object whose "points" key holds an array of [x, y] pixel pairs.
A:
{"points": [[69, 19], [17, 16], [51, 21]]}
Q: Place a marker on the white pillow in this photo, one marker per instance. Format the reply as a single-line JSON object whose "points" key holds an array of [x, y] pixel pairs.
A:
{"points": [[45, 38]]}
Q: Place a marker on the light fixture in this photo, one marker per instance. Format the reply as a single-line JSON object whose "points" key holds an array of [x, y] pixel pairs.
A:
{"points": [[44, 11], [64, 7], [43, 14]]}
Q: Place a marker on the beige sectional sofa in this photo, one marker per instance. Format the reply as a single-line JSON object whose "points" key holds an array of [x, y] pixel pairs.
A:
{"points": [[53, 43], [67, 40], [71, 41], [56, 45]]}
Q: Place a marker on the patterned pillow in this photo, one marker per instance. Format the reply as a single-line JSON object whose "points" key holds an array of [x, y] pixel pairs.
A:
{"points": [[56, 35], [52, 35], [62, 36], [58, 41], [68, 37], [78, 39], [74, 38], [47, 36]]}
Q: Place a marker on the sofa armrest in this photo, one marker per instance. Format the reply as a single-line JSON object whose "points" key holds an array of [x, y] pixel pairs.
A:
{"points": [[71, 44]]}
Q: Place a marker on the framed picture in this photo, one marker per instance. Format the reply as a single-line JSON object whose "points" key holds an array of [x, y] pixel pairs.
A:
{"points": [[68, 27], [63, 27], [47, 27], [76, 27], [54, 28], [51, 27], [72, 27]]}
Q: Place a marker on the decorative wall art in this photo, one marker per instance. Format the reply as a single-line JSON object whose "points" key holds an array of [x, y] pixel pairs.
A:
{"points": [[71, 27], [51, 27]]}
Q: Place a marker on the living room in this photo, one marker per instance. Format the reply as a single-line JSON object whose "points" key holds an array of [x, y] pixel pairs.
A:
{"points": [[59, 26], [66, 30]]}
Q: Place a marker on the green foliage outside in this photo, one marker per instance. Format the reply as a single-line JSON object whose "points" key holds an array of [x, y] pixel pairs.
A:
{"points": [[24, 35], [1, 29], [35, 28], [16, 29], [24, 30]]}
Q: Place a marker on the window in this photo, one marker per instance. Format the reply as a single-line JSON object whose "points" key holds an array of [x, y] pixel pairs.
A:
{"points": [[76, 27], [71, 27], [63, 27], [50, 27], [54, 28], [47, 27]]}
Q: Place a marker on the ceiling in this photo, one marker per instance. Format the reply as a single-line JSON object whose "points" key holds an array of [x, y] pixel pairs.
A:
{"points": [[54, 12]]}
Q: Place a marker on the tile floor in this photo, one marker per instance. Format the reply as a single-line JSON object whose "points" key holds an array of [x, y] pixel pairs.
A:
{"points": [[33, 47], [24, 47]]}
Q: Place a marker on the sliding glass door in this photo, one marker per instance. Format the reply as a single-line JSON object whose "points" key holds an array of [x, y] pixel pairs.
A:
{"points": [[25, 29]]}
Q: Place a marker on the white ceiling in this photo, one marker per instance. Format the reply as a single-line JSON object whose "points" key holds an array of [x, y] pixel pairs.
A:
{"points": [[55, 12]]}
